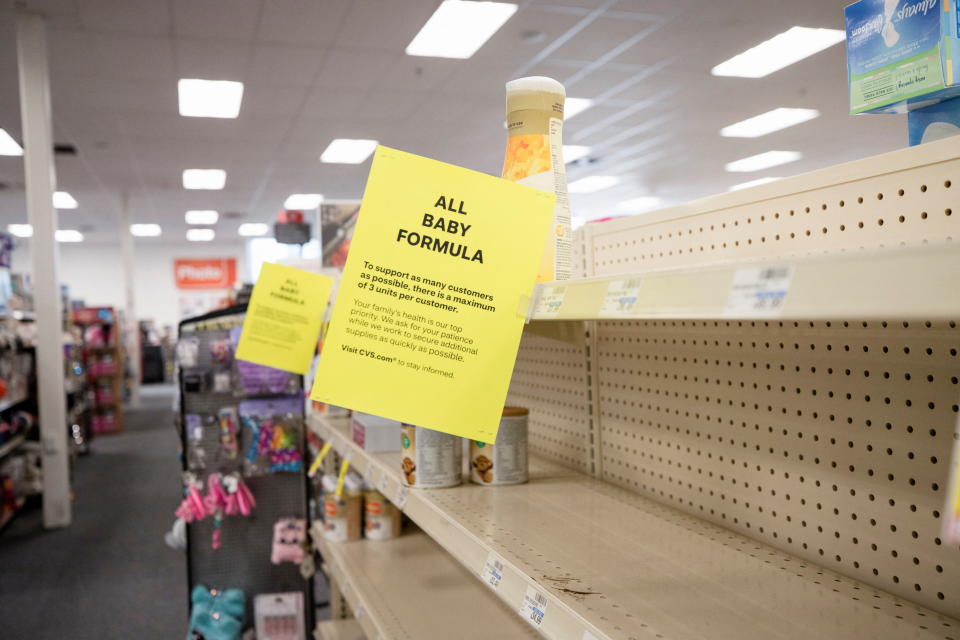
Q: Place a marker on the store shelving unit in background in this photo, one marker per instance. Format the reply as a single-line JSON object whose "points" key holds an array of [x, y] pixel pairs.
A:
{"points": [[104, 364], [706, 464]]}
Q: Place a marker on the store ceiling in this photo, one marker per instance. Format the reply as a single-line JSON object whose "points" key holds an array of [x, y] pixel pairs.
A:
{"points": [[315, 70]]}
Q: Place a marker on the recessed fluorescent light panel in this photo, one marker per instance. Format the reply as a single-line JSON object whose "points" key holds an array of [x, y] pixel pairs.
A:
{"points": [[200, 235], [592, 183], [458, 28], [202, 216], [303, 201], [768, 122], [204, 178], [210, 98], [346, 151], [573, 152], [253, 229], [145, 230], [9, 146], [63, 200], [778, 52], [763, 161], [573, 106], [637, 205], [21, 230], [753, 183], [68, 235]]}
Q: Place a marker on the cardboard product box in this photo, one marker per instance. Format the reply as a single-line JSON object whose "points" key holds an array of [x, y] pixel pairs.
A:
{"points": [[375, 434], [935, 122], [902, 54]]}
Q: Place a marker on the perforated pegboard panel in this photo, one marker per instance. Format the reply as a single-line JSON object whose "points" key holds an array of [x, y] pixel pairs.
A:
{"points": [[243, 559], [906, 198], [829, 439], [551, 379]]}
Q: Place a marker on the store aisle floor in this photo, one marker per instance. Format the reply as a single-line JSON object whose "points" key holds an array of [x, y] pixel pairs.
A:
{"points": [[109, 575]]}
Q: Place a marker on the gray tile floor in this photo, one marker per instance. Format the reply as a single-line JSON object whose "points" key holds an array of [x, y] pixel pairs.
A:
{"points": [[109, 575]]}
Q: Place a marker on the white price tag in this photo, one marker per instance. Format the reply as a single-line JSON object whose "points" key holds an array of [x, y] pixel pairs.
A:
{"points": [[358, 614], [371, 475], [550, 301], [621, 298], [759, 291], [534, 607], [401, 498], [492, 572], [588, 636]]}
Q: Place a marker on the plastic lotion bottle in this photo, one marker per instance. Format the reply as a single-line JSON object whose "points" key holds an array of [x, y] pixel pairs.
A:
{"points": [[535, 158]]}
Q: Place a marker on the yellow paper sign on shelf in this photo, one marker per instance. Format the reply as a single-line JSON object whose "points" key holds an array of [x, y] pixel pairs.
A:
{"points": [[283, 318], [426, 328]]}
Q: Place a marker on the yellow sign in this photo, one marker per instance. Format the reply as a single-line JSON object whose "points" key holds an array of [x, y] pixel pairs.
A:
{"points": [[427, 321], [283, 318]]}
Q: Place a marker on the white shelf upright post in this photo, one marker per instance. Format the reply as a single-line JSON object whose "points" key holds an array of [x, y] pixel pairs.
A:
{"points": [[133, 345], [40, 176]]}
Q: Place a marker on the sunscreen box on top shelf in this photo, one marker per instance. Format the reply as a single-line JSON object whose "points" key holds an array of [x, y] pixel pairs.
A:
{"points": [[901, 54]]}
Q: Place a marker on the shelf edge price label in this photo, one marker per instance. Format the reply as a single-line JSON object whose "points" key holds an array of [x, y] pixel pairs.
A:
{"points": [[401, 498], [533, 609], [550, 301], [492, 572], [759, 291], [588, 636], [621, 298]]}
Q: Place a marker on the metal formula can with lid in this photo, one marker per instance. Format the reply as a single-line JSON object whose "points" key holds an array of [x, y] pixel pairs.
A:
{"points": [[506, 461], [429, 459]]}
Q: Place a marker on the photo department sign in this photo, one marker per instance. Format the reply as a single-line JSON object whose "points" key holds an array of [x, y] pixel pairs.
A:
{"points": [[205, 273]]}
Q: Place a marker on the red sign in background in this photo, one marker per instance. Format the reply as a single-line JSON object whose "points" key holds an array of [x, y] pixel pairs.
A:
{"points": [[205, 273]]}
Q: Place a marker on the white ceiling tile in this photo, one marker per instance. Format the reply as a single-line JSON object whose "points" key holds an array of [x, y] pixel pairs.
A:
{"points": [[355, 68], [71, 54], [302, 22], [212, 59], [262, 101], [211, 19], [277, 65], [145, 57], [331, 103], [384, 25], [142, 17]]}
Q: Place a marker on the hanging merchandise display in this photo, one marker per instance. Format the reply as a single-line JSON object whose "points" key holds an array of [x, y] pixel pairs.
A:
{"points": [[534, 157], [216, 614], [279, 616], [434, 295], [244, 508]]}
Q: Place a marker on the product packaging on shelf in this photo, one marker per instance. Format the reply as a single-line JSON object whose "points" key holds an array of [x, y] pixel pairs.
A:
{"points": [[534, 157], [901, 54], [342, 517], [506, 461], [381, 519], [375, 434], [430, 459]]}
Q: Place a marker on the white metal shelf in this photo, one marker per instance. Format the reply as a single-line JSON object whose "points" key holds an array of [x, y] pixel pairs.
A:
{"points": [[613, 564], [902, 283], [408, 588], [346, 629]]}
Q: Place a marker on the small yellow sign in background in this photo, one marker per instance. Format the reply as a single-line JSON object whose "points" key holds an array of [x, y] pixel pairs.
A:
{"points": [[283, 318], [426, 325]]}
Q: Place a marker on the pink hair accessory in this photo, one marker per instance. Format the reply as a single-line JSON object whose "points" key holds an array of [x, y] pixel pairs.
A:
{"points": [[192, 508], [216, 498]]}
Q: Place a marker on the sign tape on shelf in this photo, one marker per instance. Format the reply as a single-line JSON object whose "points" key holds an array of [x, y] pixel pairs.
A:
{"points": [[621, 298], [343, 474], [759, 291], [533, 609], [315, 466], [492, 572]]}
